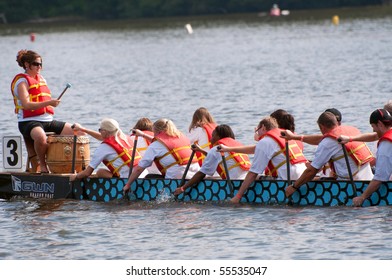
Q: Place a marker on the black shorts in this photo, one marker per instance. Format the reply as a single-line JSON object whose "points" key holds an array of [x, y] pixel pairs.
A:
{"points": [[53, 126]]}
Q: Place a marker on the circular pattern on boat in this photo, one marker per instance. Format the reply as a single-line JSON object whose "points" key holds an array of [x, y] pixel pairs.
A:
{"points": [[316, 193]]}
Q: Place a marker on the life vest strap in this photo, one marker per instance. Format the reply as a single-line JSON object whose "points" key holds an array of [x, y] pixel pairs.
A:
{"points": [[271, 172]]}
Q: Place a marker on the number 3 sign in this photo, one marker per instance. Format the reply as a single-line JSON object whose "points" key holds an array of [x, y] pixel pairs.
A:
{"points": [[12, 152]]}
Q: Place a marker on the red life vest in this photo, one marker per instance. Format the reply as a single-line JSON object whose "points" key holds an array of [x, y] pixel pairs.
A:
{"points": [[178, 147], [386, 137], [295, 151], [124, 151], [358, 151], [241, 160], [208, 128], [38, 92]]}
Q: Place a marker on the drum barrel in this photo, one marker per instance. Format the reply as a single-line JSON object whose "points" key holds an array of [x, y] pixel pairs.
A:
{"points": [[59, 154]]}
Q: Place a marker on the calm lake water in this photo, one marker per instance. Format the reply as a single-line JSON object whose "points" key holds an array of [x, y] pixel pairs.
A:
{"points": [[241, 68]]}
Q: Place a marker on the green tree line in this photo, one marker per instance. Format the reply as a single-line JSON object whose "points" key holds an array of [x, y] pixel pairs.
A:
{"points": [[27, 10]]}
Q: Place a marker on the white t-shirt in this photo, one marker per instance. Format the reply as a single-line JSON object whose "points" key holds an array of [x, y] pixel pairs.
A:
{"points": [[384, 162], [199, 135], [142, 147], [212, 160], [157, 149], [42, 118], [329, 148], [265, 150]]}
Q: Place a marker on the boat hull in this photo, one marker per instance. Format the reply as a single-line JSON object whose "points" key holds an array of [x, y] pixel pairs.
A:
{"points": [[264, 192]]}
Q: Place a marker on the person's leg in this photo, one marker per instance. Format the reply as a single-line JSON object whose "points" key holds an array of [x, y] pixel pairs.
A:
{"points": [[64, 128], [40, 146], [31, 154], [104, 173]]}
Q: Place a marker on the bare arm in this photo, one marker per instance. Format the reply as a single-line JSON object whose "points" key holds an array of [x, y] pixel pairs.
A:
{"points": [[142, 134], [372, 187], [194, 180], [364, 137], [23, 96], [241, 149], [83, 174], [249, 179], [196, 148], [136, 171], [312, 139], [90, 132], [306, 176]]}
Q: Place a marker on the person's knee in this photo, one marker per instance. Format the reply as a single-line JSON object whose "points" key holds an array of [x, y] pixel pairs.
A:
{"points": [[104, 173]]}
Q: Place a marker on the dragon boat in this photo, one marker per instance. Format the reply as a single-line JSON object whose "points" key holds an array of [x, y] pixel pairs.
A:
{"points": [[262, 192]]}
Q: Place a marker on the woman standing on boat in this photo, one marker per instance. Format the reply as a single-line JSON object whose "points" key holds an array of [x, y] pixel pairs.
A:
{"points": [[115, 151], [170, 150], [238, 164], [200, 132], [34, 108]]}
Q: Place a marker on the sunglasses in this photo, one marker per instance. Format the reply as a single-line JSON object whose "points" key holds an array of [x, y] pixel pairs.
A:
{"points": [[36, 64]]}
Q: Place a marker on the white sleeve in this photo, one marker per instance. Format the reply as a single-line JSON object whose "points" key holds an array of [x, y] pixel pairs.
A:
{"points": [[324, 152], [264, 151], [154, 150], [211, 162], [195, 134], [99, 155]]}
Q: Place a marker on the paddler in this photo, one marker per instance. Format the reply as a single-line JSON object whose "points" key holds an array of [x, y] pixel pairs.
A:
{"points": [[330, 150], [238, 164], [269, 155], [115, 152], [170, 150], [381, 122]]}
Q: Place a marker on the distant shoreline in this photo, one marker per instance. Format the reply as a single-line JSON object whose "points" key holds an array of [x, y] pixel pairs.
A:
{"points": [[71, 23]]}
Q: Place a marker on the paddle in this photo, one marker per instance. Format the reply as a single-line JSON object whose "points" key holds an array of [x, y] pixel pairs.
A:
{"points": [[287, 158], [348, 165], [65, 89], [131, 164], [226, 171], [133, 155], [288, 163], [85, 196], [188, 165]]}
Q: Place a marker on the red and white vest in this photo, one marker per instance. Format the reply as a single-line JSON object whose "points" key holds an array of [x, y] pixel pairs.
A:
{"points": [[295, 152], [124, 151], [38, 92], [177, 147], [358, 151], [208, 128], [386, 137], [241, 160]]}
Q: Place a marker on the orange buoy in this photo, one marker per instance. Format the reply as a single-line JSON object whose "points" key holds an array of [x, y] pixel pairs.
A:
{"points": [[32, 37], [335, 20]]}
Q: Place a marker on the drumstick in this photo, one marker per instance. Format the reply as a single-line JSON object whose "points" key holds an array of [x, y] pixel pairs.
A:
{"points": [[65, 89]]}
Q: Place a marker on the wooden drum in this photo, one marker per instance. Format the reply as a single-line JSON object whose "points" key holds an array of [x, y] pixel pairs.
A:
{"points": [[59, 154]]}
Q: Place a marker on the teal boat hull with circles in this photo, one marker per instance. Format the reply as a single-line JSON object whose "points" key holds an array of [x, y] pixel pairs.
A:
{"points": [[262, 192]]}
